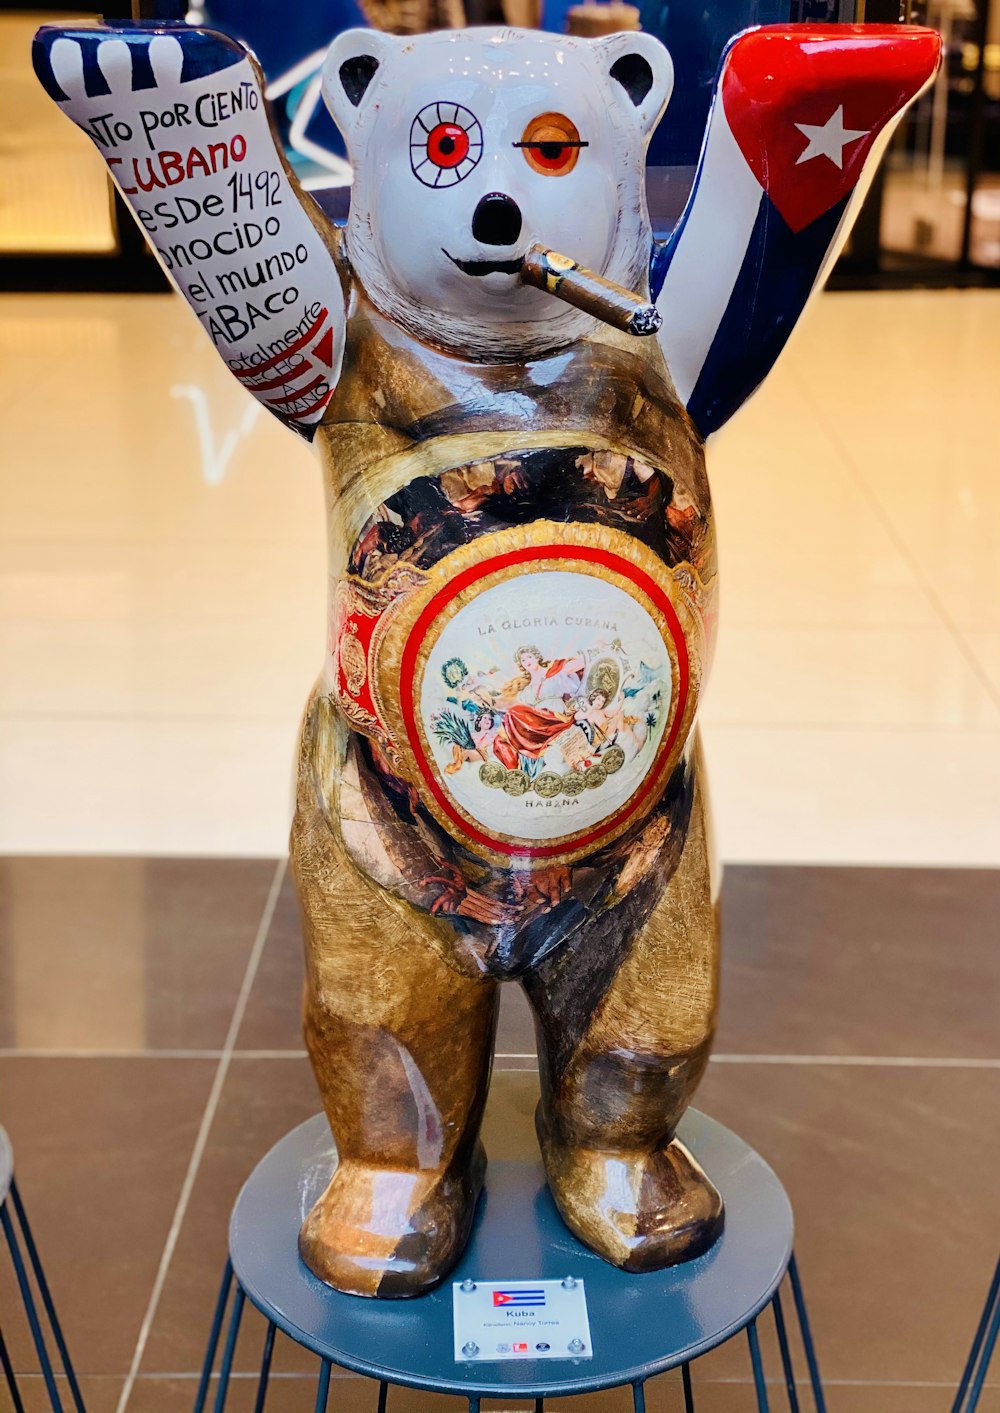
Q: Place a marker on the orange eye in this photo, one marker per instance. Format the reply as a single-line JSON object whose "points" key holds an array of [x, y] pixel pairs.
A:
{"points": [[551, 144]]}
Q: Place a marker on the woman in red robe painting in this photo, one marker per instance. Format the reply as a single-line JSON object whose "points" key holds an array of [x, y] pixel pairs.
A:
{"points": [[538, 705]]}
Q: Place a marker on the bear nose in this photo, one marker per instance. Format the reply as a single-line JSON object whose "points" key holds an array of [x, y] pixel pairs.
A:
{"points": [[496, 220]]}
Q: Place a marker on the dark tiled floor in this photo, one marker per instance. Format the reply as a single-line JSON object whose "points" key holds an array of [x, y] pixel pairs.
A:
{"points": [[261, 1100], [101, 1146], [124, 954], [273, 1019], [891, 1166], [855, 961], [100, 1395]]}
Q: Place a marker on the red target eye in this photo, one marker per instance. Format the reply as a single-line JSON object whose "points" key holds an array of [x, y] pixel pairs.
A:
{"points": [[447, 145], [446, 142]]}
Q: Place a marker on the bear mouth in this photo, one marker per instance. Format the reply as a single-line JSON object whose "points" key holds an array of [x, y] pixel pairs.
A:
{"points": [[485, 267]]}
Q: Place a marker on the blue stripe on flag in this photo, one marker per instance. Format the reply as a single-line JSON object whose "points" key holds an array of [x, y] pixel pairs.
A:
{"points": [[774, 283]]}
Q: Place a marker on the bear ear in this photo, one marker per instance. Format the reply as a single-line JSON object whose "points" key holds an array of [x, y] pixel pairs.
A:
{"points": [[641, 70], [351, 64]]}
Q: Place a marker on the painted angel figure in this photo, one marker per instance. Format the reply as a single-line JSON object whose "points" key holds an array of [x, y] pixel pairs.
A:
{"points": [[538, 713]]}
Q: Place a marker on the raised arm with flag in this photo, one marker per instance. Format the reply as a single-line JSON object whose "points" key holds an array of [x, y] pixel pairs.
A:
{"points": [[801, 116]]}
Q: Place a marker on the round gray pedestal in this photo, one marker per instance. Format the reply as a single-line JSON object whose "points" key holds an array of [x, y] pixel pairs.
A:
{"points": [[640, 1325]]}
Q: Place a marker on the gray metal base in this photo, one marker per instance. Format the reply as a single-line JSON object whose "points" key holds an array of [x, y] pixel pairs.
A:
{"points": [[641, 1325]]}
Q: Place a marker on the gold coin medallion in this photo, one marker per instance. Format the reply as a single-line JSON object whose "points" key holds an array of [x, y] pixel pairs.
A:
{"points": [[613, 759]]}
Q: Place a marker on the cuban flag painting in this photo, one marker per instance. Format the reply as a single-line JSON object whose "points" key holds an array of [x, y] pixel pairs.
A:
{"points": [[520, 1298], [801, 116]]}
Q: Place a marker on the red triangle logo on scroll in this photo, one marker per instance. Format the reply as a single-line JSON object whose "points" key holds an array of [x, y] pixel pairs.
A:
{"points": [[324, 349]]}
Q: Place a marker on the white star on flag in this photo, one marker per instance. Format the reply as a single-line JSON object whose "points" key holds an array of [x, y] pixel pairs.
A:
{"points": [[829, 139]]}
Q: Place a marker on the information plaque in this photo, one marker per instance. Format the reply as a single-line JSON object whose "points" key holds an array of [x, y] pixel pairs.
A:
{"points": [[497, 1320]]}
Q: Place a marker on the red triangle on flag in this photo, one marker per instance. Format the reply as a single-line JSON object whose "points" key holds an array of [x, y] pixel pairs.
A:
{"points": [[807, 103], [324, 349]]}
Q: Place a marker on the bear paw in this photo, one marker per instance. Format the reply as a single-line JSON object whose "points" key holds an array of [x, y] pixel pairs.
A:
{"points": [[640, 1211], [390, 1233]]}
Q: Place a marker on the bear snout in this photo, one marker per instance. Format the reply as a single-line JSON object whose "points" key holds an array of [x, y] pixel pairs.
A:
{"points": [[496, 220]]}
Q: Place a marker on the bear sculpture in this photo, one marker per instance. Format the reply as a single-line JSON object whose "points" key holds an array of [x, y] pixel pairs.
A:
{"points": [[499, 770]]}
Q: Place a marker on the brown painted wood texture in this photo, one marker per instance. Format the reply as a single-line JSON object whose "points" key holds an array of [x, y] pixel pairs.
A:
{"points": [[410, 926]]}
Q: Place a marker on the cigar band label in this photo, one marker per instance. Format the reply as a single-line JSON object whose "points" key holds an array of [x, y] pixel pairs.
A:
{"points": [[536, 687]]}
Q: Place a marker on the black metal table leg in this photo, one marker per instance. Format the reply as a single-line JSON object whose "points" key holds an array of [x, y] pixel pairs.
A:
{"points": [[46, 1294], [688, 1389], [30, 1309], [798, 1294], [786, 1353], [213, 1337], [227, 1355], [8, 1370], [758, 1367], [323, 1387], [983, 1345], [265, 1367]]}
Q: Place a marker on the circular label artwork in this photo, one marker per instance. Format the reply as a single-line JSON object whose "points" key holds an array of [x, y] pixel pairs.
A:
{"points": [[543, 702]]}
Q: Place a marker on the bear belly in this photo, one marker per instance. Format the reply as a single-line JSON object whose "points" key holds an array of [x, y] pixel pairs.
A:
{"points": [[522, 642]]}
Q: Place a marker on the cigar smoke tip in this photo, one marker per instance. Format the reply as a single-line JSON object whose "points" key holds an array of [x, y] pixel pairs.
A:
{"points": [[645, 321]]}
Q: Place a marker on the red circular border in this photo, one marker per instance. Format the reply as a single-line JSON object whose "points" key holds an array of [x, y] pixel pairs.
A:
{"points": [[493, 566]]}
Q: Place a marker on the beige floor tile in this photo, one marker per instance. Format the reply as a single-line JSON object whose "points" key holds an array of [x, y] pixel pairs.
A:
{"points": [[119, 581], [921, 431], [894, 796], [831, 676], [985, 648], [162, 588], [159, 671], [126, 454], [797, 546], [129, 786]]}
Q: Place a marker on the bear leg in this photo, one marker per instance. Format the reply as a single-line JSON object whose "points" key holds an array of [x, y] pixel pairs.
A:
{"points": [[401, 1042], [618, 1075]]}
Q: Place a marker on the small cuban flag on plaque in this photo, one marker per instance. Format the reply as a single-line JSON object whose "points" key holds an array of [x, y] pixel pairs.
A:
{"points": [[523, 1320], [534, 1295]]}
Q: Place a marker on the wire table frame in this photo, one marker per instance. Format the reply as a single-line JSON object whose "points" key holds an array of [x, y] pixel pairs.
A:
{"points": [[984, 1344], [642, 1325], [35, 1296]]}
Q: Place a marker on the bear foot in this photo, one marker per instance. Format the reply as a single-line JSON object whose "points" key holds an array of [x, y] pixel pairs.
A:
{"points": [[385, 1232], [640, 1211]]}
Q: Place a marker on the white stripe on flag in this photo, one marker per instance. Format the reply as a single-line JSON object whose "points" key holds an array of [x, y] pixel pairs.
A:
{"points": [[710, 251]]}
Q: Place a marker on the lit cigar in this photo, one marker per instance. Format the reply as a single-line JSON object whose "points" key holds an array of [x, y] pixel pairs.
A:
{"points": [[559, 275]]}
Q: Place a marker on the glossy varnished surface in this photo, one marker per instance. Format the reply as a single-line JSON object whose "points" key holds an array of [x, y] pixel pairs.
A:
{"points": [[608, 876], [639, 1325]]}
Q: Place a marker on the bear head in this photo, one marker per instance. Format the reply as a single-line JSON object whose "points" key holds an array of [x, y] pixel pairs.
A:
{"points": [[468, 147]]}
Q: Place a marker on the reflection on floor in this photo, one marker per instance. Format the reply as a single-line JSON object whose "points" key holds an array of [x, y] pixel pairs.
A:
{"points": [[150, 1053], [162, 589]]}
